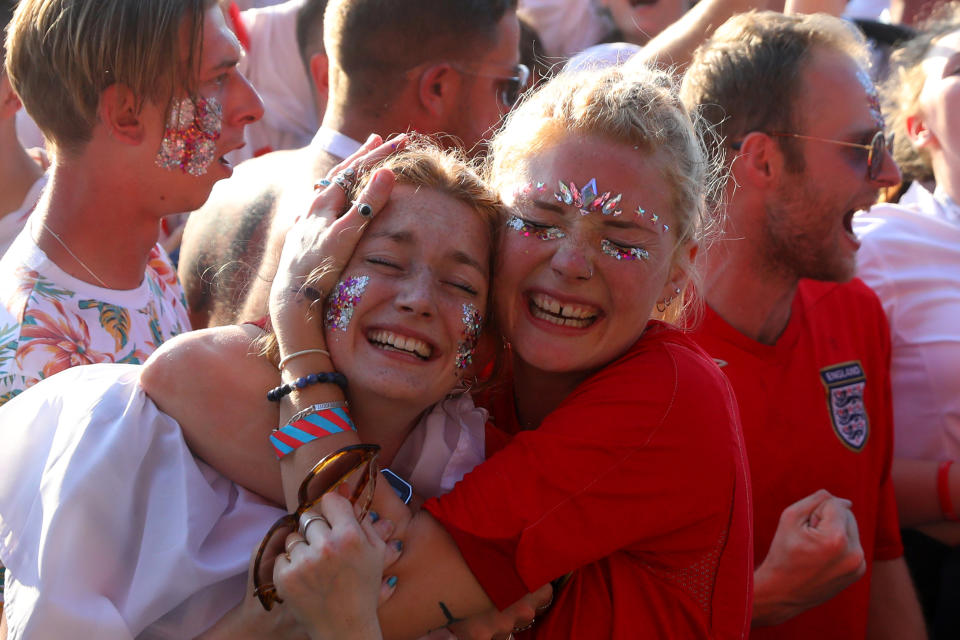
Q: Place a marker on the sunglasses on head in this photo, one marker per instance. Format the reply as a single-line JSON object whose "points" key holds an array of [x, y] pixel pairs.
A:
{"points": [[354, 467]]}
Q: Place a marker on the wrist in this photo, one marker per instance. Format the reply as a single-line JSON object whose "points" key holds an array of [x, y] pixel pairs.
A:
{"points": [[771, 606]]}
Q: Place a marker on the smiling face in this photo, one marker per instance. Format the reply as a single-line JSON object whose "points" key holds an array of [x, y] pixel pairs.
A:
{"points": [[808, 228], [575, 290], [410, 302]]}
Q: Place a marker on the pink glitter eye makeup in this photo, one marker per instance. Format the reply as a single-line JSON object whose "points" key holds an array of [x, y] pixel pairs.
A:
{"points": [[529, 229], [189, 139], [472, 326], [342, 301], [586, 199], [621, 253]]}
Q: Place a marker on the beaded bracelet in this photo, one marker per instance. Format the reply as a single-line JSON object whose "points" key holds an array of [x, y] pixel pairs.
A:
{"points": [[323, 377], [317, 421]]}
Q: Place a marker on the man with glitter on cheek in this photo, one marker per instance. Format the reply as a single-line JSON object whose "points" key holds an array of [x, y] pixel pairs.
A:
{"points": [[139, 101]]}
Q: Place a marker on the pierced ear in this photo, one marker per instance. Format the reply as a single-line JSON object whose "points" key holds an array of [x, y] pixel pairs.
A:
{"points": [[119, 113], [759, 160], [680, 269], [438, 84], [320, 74], [917, 131]]}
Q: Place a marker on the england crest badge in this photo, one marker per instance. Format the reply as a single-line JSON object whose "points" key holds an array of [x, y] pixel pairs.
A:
{"points": [[845, 385]]}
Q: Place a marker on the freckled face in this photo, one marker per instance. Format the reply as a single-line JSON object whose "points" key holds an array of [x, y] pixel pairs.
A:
{"points": [[423, 264], [574, 291]]}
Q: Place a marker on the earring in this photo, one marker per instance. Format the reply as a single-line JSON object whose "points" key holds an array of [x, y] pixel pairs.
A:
{"points": [[666, 302]]}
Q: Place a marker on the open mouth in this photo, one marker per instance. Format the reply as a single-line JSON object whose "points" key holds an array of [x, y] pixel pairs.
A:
{"points": [[563, 314], [390, 341]]}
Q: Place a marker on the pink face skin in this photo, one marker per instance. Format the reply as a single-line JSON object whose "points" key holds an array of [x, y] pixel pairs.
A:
{"points": [[424, 257], [808, 231], [219, 83], [934, 128], [565, 302]]}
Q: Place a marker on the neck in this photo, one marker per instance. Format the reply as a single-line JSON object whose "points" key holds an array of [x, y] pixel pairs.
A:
{"points": [[18, 171], [741, 286], [100, 224], [537, 393], [358, 120], [382, 422], [947, 180]]}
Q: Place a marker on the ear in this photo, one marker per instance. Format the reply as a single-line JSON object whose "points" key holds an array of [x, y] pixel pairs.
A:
{"points": [[320, 74], [119, 113], [680, 269], [917, 131], [437, 89], [9, 102], [759, 161]]}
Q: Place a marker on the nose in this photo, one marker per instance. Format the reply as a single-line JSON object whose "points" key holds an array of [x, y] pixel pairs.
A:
{"points": [[889, 171], [572, 260], [416, 295], [248, 107]]}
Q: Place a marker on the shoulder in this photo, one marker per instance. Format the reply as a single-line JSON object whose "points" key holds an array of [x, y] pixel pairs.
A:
{"points": [[838, 298]]}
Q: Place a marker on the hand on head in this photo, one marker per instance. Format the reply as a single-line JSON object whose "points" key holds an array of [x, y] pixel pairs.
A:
{"points": [[311, 242]]}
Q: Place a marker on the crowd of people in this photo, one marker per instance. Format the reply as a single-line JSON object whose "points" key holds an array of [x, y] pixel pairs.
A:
{"points": [[482, 319]]}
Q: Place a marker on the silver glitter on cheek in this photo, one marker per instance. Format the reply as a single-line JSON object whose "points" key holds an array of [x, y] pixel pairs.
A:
{"points": [[343, 300], [472, 326], [189, 138], [620, 253]]}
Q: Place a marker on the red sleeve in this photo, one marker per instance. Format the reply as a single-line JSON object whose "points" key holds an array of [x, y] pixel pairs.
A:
{"points": [[888, 545], [632, 459]]}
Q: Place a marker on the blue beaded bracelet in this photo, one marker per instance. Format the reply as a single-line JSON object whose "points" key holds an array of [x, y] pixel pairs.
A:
{"points": [[324, 377]]}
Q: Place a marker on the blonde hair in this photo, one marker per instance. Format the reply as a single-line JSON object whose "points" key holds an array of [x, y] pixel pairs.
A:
{"points": [[62, 54], [637, 106], [747, 76], [902, 89]]}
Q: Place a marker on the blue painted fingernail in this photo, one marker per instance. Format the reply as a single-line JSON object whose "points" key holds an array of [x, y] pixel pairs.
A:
{"points": [[392, 581], [374, 516], [398, 544]]}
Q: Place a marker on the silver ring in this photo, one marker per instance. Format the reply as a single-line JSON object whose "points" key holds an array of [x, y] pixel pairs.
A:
{"points": [[524, 628], [345, 179], [364, 209], [307, 519], [290, 545], [322, 183]]}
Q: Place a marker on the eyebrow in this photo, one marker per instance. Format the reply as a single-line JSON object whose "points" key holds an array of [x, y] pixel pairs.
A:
{"points": [[616, 223], [406, 238]]}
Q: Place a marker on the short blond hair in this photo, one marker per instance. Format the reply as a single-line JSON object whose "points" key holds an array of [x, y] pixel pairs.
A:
{"points": [[902, 89], [637, 106], [62, 54], [747, 76]]}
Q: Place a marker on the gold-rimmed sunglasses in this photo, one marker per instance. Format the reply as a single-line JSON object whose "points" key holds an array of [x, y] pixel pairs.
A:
{"points": [[876, 150], [356, 468]]}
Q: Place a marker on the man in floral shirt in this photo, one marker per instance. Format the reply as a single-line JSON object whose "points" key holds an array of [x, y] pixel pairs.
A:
{"points": [[139, 102]]}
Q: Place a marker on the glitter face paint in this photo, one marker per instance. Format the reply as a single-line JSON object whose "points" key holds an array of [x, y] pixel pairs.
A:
{"points": [[472, 326], [342, 301], [621, 253], [528, 229], [586, 199], [189, 139]]}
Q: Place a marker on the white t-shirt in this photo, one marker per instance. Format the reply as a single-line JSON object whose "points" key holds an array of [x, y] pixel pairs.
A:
{"points": [[111, 529], [11, 223], [911, 257], [566, 27], [275, 69], [50, 321]]}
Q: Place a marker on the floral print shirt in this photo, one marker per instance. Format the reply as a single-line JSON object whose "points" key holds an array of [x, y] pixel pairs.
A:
{"points": [[51, 321]]}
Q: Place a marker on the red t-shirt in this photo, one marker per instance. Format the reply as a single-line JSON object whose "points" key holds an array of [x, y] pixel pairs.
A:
{"points": [[816, 415], [637, 484]]}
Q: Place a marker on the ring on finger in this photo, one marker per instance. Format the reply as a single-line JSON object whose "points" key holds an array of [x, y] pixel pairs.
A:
{"points": [[364, 209], [292, 543], [322, 183], [345, 179], [524, 627], [309, 518]]}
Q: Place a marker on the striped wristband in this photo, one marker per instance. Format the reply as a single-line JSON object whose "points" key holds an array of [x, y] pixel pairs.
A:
{"points": [[317, 421]]}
